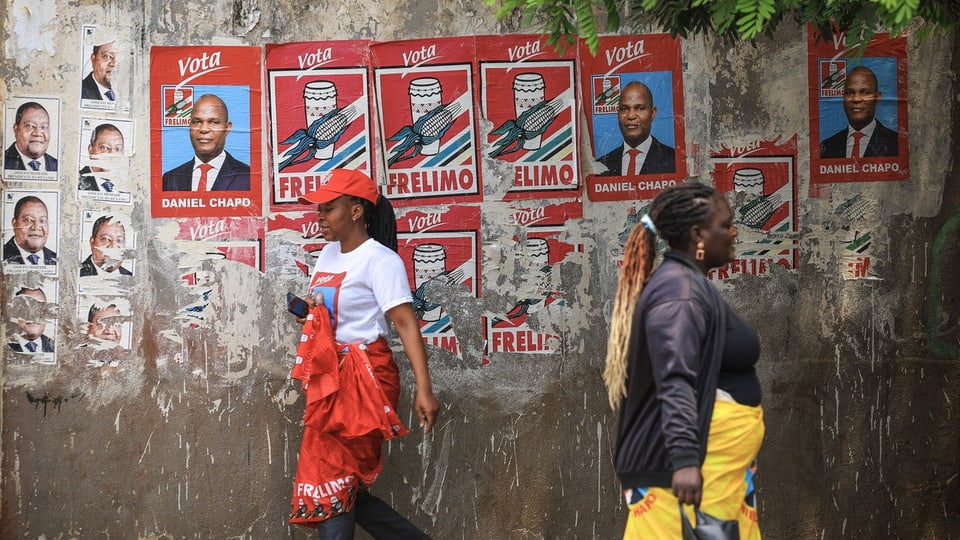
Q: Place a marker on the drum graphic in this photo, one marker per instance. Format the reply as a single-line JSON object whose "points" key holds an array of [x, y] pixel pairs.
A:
{"points": [[319, 98], [528, 90], [748, 180], [425, 96], [428, 261]]}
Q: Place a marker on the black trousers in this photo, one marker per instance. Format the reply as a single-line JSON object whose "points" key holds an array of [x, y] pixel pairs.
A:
{"points": [[376, 517]]}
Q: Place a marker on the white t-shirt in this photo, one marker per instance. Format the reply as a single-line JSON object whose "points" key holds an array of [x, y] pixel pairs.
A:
{"points": [[359, 287]]}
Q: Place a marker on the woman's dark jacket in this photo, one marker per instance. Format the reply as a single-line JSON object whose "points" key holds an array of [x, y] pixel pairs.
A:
{"points": [[680, 321]]}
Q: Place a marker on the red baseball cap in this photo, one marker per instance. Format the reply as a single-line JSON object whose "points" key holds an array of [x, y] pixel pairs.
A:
{"points": [[343, 182]]}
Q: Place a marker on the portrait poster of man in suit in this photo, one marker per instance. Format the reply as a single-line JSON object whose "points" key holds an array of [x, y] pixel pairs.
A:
{"points": [[205, 131], [31, 136], [212, 168], [32, 331], [641, 151], [30, 232], [105, 149], [102, 70], [633, 97], [107, 239], [107, 323], [858, 128]]}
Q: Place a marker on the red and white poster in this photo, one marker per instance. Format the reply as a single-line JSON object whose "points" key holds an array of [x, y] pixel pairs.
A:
{"points": [[439, 244], [528, 92], [205, 131], [858, 109], [231, 239], [320, 115], [633, 94], [424, 93], [545, 244], [295, 238], [760, 180]]}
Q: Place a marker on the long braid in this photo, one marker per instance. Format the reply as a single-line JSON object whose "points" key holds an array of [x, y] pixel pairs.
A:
{"points": [[673, 212], [638, 257]]}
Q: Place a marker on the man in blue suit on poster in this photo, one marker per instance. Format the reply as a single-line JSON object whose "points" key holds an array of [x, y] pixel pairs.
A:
{"points": [[31, 133], [213, 168], [865, 136], [32, 338], [641, 152]]}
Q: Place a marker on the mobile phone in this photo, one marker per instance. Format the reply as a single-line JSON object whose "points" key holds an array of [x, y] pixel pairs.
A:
{"points": [[296, 305]]}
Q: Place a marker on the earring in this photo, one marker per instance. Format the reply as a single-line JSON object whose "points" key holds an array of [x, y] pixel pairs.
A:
{"points": [[700, 253]]}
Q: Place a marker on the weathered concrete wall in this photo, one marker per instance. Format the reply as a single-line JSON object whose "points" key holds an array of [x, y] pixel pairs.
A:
{"points": [[194, 434]]}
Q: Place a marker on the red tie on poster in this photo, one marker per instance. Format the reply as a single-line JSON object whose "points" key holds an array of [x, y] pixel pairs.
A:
{"points": [[857, 135], [632, 164], [204, 169]]}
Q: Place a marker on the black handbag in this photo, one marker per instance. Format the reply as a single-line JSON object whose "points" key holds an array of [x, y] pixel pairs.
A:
{"points": [[708, 527]]}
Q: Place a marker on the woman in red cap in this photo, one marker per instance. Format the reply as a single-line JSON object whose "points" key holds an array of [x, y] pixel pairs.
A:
{"points": [[345, 365]]}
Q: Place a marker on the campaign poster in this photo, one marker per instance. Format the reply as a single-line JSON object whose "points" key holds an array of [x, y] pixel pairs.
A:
{"points": [[544, 244], [633, 93], [856, 257], [234, 239], [31, 231], [439, 244], [295, 241], [761, 185], [205, 131], [320, 116], [106, 145], [107, 325], [32, 323], [528, 92], [858, 109], [31, 139], [107, 243], [424, 92], [104, 67]]}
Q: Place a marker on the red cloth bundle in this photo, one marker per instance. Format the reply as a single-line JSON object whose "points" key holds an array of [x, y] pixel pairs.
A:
{"points": [[352, 393]]}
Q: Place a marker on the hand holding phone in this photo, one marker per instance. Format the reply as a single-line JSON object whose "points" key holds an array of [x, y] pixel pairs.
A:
{"points": [[298, 306]]}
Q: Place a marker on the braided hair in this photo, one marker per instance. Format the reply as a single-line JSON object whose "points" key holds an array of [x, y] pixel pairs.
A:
{"points": [[380, 220], [673, 212]]}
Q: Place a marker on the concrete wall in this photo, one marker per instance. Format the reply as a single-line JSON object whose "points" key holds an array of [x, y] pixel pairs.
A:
{"points": [[194, 432]]}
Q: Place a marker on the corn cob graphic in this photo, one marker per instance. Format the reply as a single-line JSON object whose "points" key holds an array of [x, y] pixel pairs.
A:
{"points": [[531, 123], [321, 133], [853, 209], [427, 129], [756, 212]]}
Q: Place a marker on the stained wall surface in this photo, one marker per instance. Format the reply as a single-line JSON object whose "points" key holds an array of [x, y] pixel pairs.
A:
{"points": [[192, 431]]}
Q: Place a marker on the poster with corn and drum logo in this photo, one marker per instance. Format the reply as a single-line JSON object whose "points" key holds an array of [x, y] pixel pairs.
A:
{"points": [[528, 93], [440, 246], [424, 91], [760, 181], [319, 116]]}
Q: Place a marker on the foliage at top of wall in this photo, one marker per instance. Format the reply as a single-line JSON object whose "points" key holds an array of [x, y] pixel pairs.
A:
{"points": [[731, 20]]}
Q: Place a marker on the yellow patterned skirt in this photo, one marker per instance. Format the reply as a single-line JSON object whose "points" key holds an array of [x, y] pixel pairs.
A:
{"points": [[736, 432]]}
